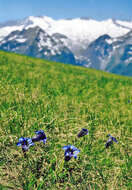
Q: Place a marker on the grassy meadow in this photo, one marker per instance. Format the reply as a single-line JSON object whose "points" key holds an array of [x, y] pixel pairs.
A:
{"points": [[61, 99]]}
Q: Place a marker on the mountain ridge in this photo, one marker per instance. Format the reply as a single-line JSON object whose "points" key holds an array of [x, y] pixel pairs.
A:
{"points": [[81, 41]]}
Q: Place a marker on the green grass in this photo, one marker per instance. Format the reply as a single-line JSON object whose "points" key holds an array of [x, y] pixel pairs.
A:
{"points": [[61, 99]]}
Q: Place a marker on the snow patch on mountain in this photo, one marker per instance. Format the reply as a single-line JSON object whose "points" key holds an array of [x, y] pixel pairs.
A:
{"points": [[43, 22], [128, 61], [44, 41], [111, 40], [78, 30], [5, 31], [20, 40], [125, 23]]}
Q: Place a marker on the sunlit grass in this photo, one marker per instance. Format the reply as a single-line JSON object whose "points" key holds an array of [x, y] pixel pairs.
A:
{"points": [[62, 99]]}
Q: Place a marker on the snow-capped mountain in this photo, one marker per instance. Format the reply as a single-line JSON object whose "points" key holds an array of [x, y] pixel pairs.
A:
{"points": [[79, 31], [97, 52], [110, 54], [37, 43], [120, 60], [79, 41]]}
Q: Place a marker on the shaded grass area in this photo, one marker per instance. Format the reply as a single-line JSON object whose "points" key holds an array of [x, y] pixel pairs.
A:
{"points": [[61, 99]]}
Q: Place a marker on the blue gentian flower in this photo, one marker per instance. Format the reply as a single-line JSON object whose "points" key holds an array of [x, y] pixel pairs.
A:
{"points": [[70, 151], [40, 136], [110, 141], [83, 132], [25, 143]]}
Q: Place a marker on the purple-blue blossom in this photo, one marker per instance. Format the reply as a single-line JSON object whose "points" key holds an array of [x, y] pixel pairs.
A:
{"points": [[110, 141], [83, 132], [25, 143], [70, 151], [40, 137]]}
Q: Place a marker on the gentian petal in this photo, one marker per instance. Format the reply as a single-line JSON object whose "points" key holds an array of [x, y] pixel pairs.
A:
{"points": [[114, 139], [40, 131], [29, 141], [108, 135], [76, 153], [37, 132], [108, 143], [21, 139], [73, 147], [40, 136], [44, 141], [35, 139], [66, 153], [83, 132], [65, 147], [18, 144], [70, 151], [31, 144], [67, 158], [25, 147]]}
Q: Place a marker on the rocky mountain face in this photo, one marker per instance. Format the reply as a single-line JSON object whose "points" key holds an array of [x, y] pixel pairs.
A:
{"points": [[110, 54], [97, 52], [37, 43], [120, 61], [104, 45]]}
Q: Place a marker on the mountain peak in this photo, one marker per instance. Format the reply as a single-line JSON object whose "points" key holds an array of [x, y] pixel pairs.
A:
{"points": [[40, 19]]}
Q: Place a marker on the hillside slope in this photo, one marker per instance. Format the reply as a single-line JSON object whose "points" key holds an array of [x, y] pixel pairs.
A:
{"points": [[61, 99]]}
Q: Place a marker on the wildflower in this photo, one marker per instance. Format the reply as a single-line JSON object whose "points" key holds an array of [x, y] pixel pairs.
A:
{"points": [[70, 151], [25, 143], [83, 132], [110, 141], [40, 136]]}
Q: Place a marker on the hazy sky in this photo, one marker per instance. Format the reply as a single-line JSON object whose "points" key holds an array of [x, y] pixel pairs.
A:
{"points": [[96, 9]]}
